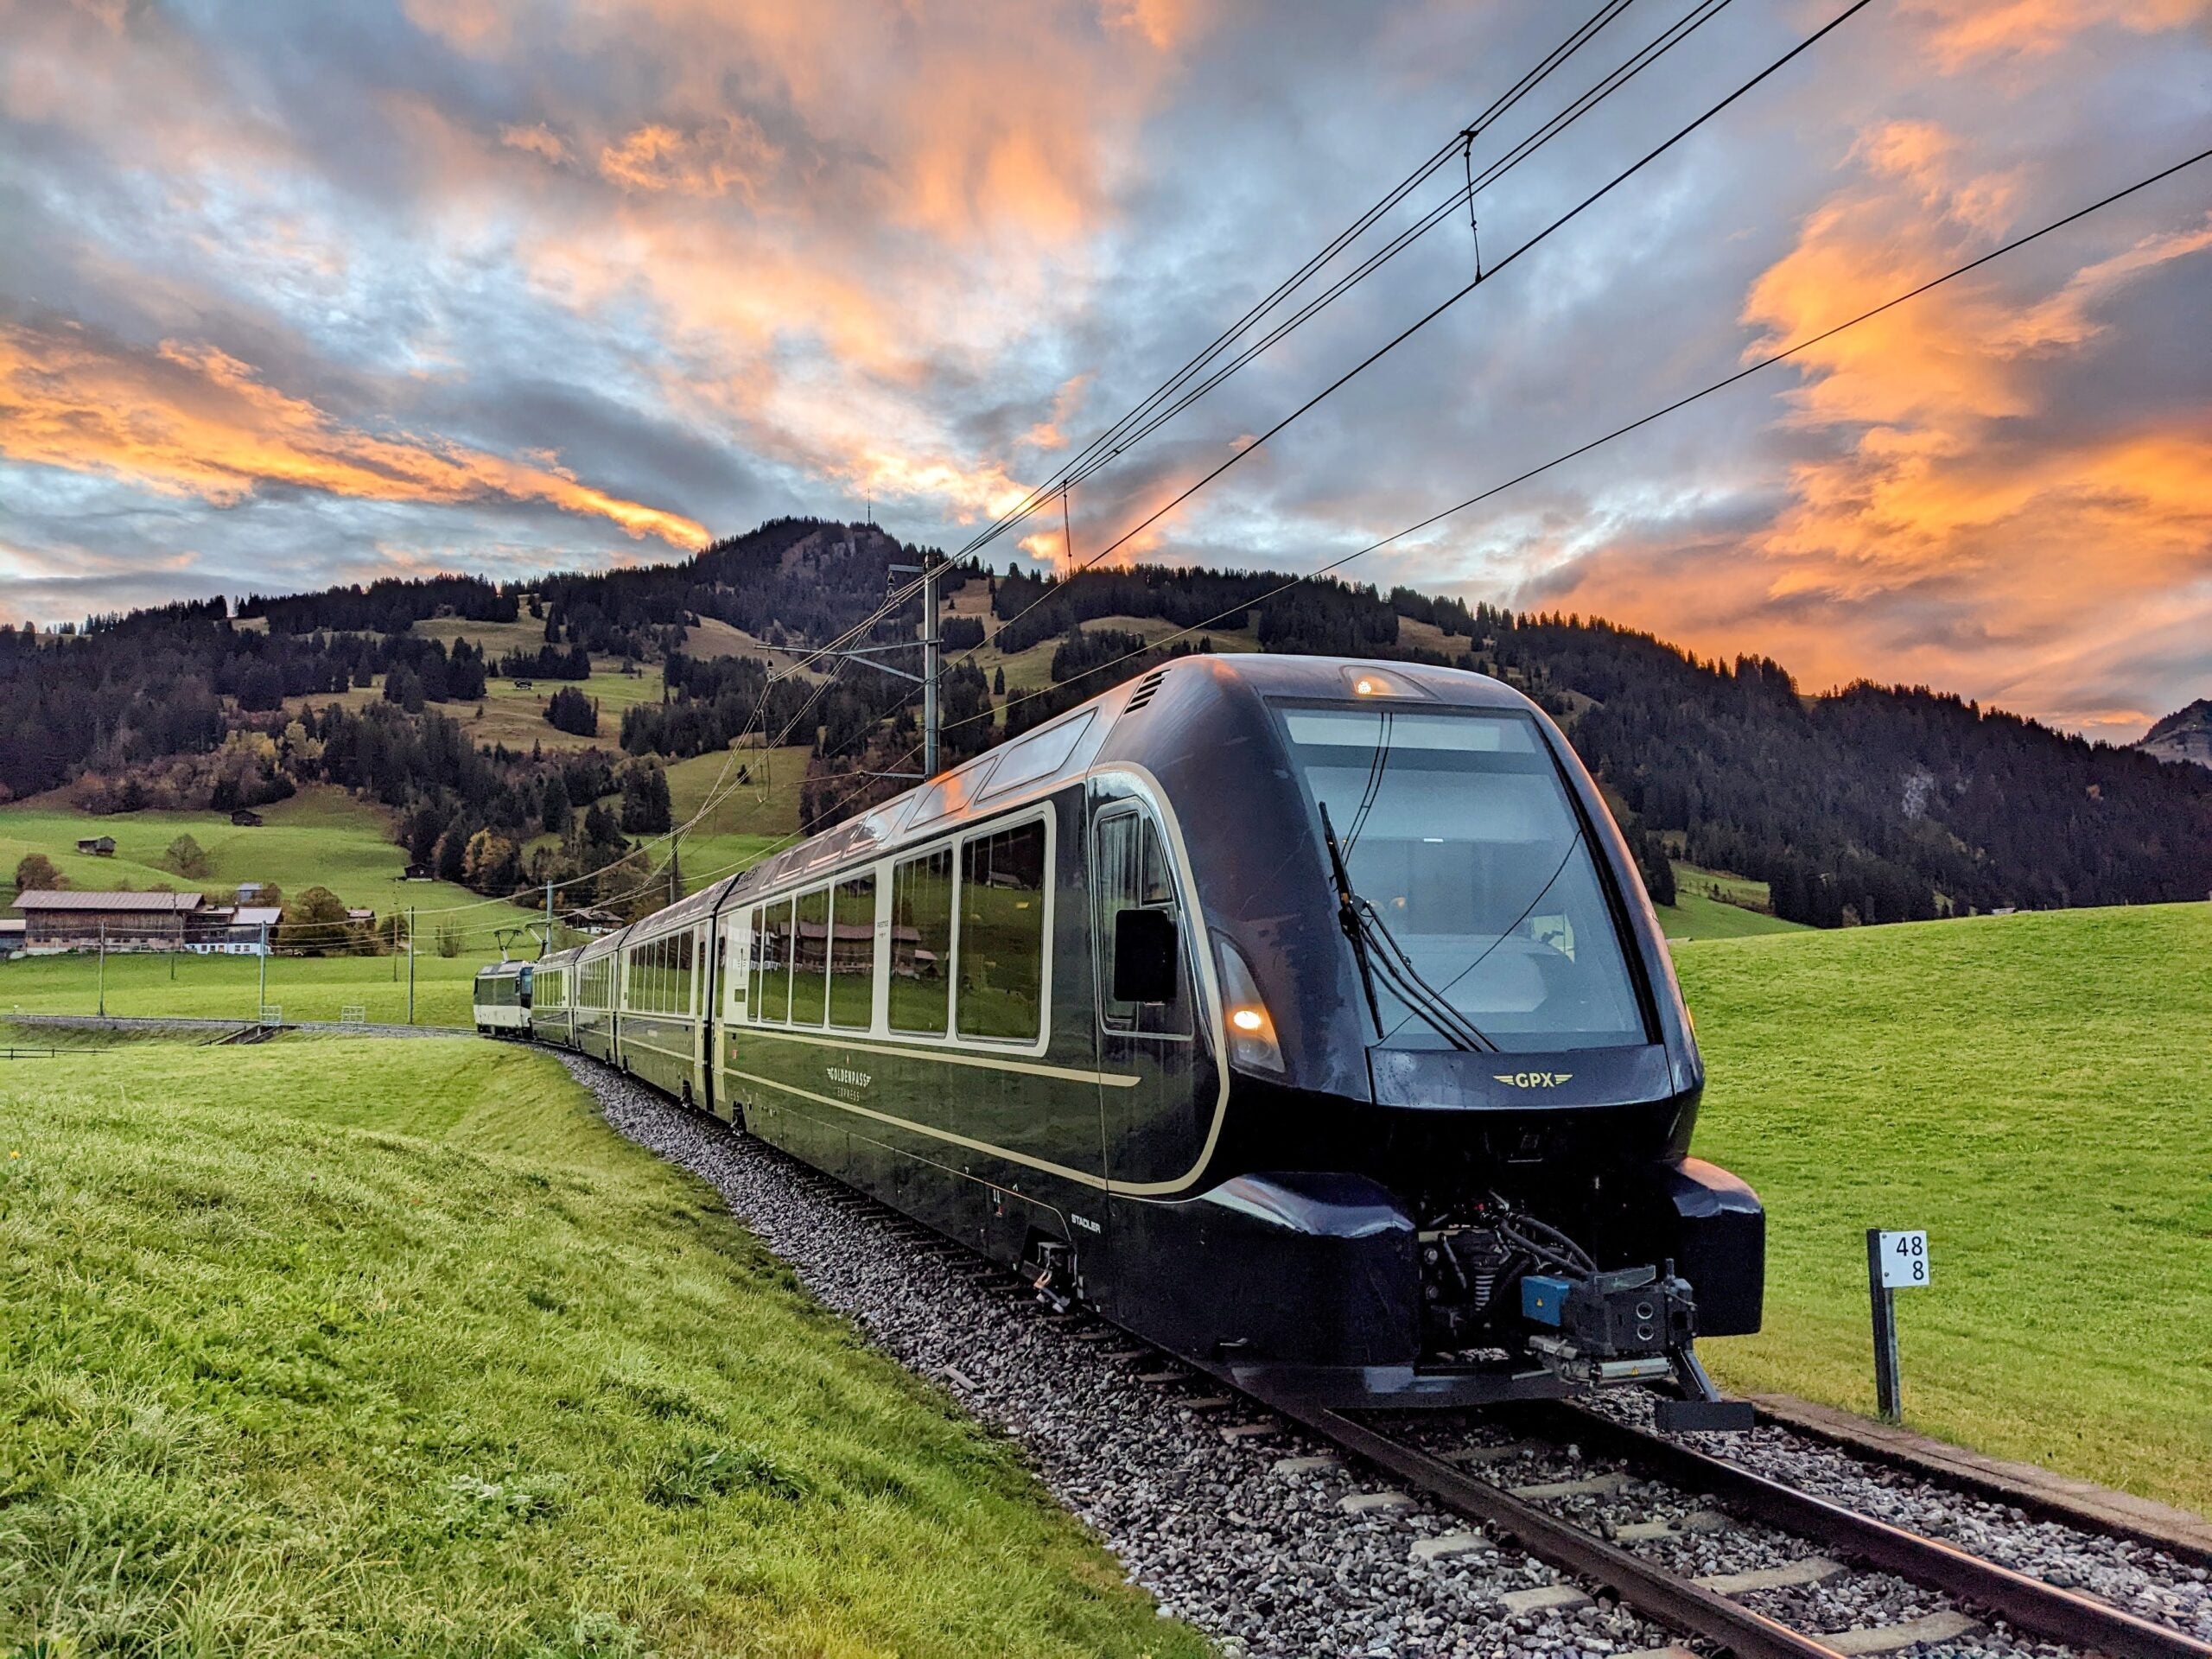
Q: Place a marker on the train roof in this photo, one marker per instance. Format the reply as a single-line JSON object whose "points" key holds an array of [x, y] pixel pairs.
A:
{"points": [[1042, 759], [503, 969]]}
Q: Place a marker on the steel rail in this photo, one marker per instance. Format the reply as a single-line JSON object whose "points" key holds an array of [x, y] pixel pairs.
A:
{"points": [[1669, 1598], [2026, 1602], [2030, 1605]]}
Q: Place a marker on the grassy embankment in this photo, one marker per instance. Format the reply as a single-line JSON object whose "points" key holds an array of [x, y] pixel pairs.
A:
{"points": [[321, 838], [349, 1347], [225, 987], [2037, 1092], [1712, 905]]}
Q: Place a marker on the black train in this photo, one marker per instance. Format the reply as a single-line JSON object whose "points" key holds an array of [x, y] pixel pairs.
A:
{"points": [[1307, 1018]]}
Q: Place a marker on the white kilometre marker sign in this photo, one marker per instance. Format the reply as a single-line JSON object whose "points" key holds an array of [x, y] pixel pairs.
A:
{"points": [[1904, 1261], [1895, 1261]]}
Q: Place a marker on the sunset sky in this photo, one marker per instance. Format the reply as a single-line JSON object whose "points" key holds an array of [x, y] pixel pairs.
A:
{"points": [[298, 293]]}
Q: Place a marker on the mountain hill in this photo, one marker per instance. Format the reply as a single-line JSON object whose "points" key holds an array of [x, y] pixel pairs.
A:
{"points": [[1873, 804], [2185, 734]]}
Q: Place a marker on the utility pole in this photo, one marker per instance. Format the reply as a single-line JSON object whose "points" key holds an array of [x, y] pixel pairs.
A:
{"points": [[103, 978], [929, 665], [546, 949], [410, 964], [261, 991]]}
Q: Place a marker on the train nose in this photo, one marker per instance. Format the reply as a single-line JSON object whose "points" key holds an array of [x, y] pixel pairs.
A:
{"points": [[1448, 1079]]}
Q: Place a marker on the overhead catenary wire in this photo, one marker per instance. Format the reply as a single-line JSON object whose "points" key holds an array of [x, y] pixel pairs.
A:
{"points": [[1796, 349], [1441, 212], [1107, 443], [717, 794], [1115, 438], [1244, 450]]}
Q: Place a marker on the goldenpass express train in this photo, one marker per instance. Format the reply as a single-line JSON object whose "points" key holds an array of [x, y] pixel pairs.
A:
{"points": [[1307, 1018]]}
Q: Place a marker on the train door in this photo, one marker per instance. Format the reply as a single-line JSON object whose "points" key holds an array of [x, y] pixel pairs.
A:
{"points": [[706, 985], [730, 1006], [1156, 1112]]}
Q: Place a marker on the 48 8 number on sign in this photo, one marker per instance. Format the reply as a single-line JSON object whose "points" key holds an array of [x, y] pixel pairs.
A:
{"points": [[1904, 1261]]}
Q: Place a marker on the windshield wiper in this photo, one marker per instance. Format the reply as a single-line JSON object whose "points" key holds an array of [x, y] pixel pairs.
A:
{"points": [[1348, 916], [1373, 944]]}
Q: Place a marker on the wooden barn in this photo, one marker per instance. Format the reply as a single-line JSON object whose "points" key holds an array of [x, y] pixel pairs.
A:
{"points": [[72, 920]]}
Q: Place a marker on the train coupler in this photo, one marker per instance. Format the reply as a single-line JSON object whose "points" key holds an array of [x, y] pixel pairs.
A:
{"points": [[1631, 1314]]}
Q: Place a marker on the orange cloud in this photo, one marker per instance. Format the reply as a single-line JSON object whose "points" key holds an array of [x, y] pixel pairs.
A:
{"points": [[538, 139], [191, 420], [1958, 524], [479, 28], [1966, 31], [1052, 434], [710, 161]]}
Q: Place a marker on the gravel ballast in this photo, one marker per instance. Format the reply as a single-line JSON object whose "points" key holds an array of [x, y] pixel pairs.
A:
{"points": [[1246, 1528]]}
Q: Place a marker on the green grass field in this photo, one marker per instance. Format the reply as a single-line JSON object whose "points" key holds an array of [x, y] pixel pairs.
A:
{"points": [[346, 1347], [321, 838], [1712, 905], [510, 715], [225, 987], [1722, 885], [1693, 915], [2037, 1092]]}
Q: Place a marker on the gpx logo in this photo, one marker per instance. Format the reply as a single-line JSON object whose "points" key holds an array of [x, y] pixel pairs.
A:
{"points": [[1532, 1079]]}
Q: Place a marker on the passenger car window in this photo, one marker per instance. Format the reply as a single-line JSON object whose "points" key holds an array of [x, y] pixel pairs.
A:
{"points": [[1001, 949], [775, 965], [852, 954], [810, 958], [921, 943], [1129, 871]]}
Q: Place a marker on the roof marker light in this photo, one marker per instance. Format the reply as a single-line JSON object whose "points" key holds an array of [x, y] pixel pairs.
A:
{"points": [[1381, 682]]}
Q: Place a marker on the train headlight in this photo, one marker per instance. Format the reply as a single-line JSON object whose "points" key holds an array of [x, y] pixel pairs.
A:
{"points": [[1251, 1028]]}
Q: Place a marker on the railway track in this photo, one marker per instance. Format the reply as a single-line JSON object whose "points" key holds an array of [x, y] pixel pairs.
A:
{"points": [[1676, 1485], [1707, 1607], [1704, 1550]]}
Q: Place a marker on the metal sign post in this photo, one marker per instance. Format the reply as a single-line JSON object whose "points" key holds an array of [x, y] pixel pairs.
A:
{"points": [[1895, 1261]]}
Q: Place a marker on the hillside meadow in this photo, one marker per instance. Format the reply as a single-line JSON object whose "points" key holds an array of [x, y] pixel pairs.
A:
{"points": [[2036, 1090], [350, 1347], [321, 838]]}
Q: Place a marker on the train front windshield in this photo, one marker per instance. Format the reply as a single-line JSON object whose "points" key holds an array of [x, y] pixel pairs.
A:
{"points": [[1458, 829]]}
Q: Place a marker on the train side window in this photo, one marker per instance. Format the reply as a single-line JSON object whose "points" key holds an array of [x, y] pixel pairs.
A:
{"points": [[756, 953], [1001, 958], [776, 977], [921, 944], [1129, 871], [810, 958], [852, 954]]}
